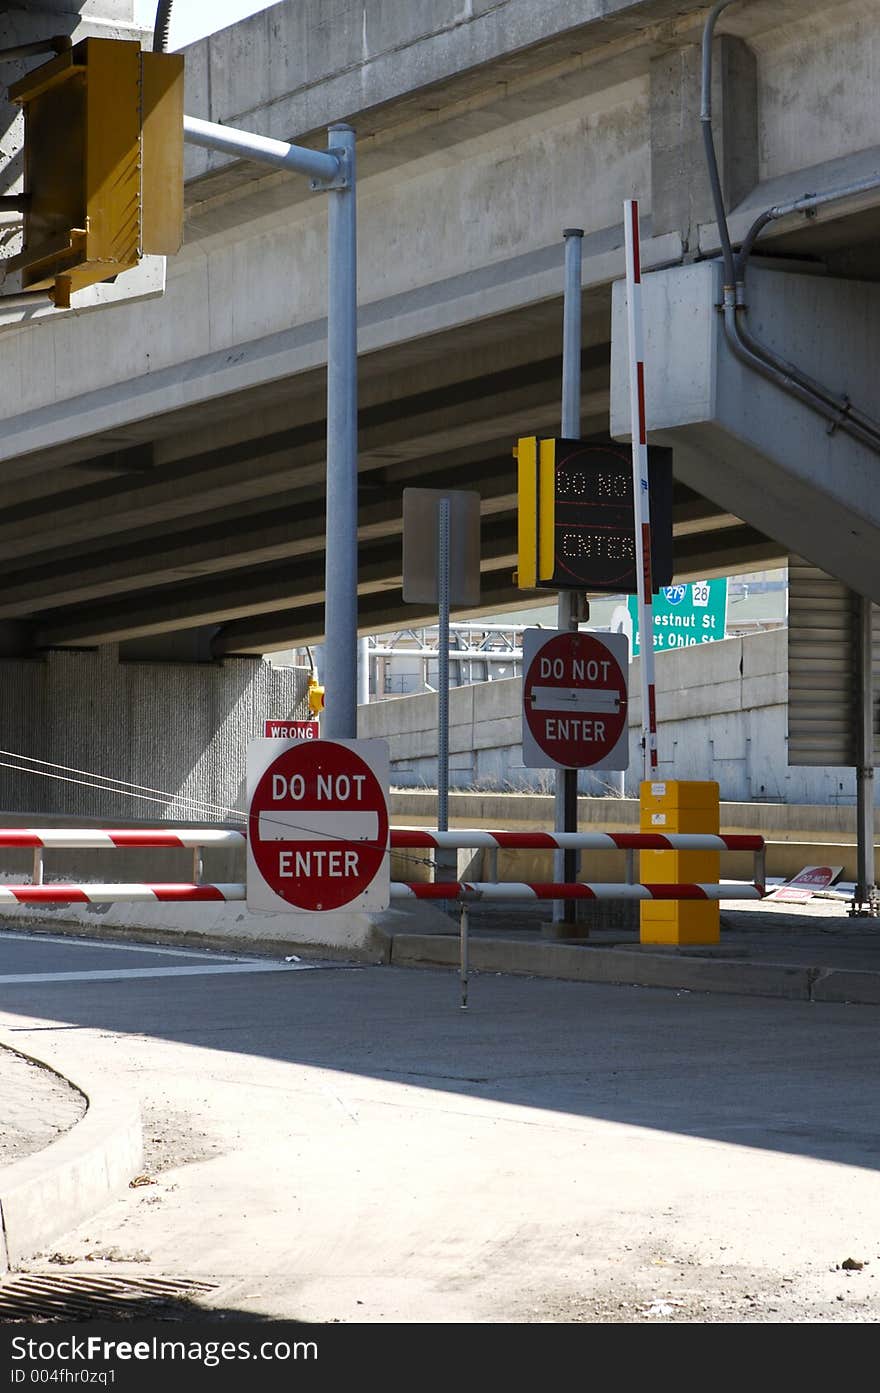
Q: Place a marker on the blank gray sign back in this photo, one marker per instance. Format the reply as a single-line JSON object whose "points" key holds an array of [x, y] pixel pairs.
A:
{"points": [[421, 514]]}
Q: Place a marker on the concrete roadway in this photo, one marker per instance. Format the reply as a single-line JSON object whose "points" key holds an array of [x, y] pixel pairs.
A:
{"points": [[345, 1143]]}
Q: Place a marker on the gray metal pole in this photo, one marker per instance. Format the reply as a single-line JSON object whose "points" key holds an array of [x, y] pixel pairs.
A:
{"points": [[340, 625], [565, 863], [299, 159], [463, 954], [443, 665], [865, 898]]}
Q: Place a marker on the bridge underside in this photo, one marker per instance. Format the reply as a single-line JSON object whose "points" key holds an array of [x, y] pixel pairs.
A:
{"points": [[163, 467], [206, 536]]}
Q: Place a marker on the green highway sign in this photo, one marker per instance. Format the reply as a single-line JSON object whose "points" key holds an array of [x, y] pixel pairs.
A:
{"points": [[684, 615]]}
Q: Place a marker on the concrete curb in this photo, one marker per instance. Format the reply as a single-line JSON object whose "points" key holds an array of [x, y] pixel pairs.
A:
{"points": [[847, 986], [44, 1195], [623, 967]]}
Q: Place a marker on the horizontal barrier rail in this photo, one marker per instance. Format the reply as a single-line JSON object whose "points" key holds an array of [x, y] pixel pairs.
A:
{"points": [[62, 892], [582, 890], [402, 838], [90, 839], [476, 839]]}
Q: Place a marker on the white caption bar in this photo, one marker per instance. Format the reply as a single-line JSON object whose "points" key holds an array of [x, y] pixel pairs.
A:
{"points": [[580, 699], [290, 825]]}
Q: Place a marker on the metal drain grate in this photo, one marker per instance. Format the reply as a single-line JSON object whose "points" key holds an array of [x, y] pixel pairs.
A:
{"points": [[28, 1296]]}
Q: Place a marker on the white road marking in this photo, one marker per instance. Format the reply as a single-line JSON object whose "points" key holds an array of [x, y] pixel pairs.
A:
{"points": [[124, 973], [72, 941]]}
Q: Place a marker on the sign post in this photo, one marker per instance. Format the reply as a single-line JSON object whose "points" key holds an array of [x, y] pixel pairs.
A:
{"points": [[331, 171], [318, 835], [641, 497], [570, 607], [575, 700], [441, 565]]}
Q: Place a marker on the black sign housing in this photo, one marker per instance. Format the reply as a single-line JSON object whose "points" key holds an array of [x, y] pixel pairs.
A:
{"points": [[593, 522]]}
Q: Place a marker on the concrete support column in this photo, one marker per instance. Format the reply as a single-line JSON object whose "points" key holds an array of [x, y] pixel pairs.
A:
{"points": [[680, 195]]}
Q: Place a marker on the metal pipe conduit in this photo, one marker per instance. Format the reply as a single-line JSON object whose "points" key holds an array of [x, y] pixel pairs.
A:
{"points": [[836, 409]]}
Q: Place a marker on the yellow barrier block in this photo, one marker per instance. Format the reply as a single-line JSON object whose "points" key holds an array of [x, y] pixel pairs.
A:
{"points": [[677, 805]]}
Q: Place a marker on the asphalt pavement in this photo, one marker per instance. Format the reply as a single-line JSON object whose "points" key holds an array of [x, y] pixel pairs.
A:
{"points": [[335, 1143]]}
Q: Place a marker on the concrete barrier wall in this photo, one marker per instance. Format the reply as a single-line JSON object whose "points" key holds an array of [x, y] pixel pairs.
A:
{"points": [[797, 834], [722, 715], [180, 728]]}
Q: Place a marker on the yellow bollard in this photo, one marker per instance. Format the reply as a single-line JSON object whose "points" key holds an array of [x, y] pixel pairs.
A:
{"points": [[678, 805]]}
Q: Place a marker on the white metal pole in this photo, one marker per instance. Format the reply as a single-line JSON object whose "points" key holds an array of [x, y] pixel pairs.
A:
{"points": [[340, 625], [363, 672], [641, 496]]}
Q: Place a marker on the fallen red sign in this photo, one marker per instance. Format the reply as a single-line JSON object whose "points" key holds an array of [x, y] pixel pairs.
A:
{"points": [[805, 884]]}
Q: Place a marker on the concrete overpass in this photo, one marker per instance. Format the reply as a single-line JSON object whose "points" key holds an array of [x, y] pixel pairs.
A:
{"points": [[163, 459]]}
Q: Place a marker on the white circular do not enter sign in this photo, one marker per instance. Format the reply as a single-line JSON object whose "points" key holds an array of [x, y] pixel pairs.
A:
{"points": [[318, 833], [575, 701]]}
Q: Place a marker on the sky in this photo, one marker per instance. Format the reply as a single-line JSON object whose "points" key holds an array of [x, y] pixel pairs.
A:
{"points": [[193, 19]]}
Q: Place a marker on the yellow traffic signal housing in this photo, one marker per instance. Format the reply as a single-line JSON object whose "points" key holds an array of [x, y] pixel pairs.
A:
{"points": [[536, 466], [103, 164], [316, 697]]}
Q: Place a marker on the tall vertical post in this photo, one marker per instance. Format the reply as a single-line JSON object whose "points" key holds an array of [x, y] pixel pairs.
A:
{"points": [[340, 628], [565, 863], [443, 664], [865, 898], [641, 496]]}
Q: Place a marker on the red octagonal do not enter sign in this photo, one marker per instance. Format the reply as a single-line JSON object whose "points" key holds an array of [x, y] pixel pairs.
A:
{"points": [[317, 825], [575, 700]]}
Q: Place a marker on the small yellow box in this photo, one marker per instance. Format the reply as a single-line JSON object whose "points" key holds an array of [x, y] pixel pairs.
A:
{"points": [[677, 805]]}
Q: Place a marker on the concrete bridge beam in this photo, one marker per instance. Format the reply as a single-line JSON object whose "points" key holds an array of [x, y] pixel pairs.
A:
{"points": [[681, 199], [737, 437]]}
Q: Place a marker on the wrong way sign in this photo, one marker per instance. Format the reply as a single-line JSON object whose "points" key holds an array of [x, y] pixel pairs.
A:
{"points": [[318, 835], [574, 700]]}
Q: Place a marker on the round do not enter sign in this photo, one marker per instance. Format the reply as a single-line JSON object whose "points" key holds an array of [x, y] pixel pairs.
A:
{"points": [[318, 826], [574, 700]]}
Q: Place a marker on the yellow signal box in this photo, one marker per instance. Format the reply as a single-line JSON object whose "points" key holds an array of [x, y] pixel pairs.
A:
{"points": [[316, 697], [676, 805], [536, 466], [103, 164]]}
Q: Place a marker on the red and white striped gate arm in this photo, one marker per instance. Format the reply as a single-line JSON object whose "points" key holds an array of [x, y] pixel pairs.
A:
{"points": [[58, 892], [641, 495], [475, 838], [61, 893], [402, 838], [527, 890], [94, 839]]}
